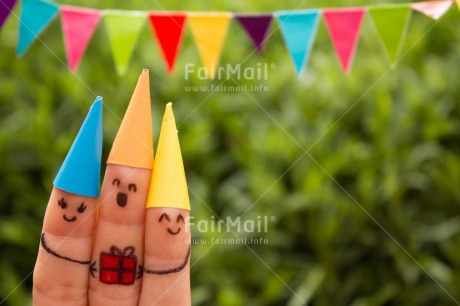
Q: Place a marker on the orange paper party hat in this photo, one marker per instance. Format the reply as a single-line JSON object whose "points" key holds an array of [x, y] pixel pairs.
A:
{"points": [[168, 187], [133, 145]]}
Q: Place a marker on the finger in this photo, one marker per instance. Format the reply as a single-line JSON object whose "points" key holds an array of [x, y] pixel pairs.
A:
{"points": [[167, 233], [166, 259], [117, 256], [118, 245], [62, 267]]}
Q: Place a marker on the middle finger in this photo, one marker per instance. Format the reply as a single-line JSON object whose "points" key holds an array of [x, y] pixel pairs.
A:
{"points": [[116, 265]]}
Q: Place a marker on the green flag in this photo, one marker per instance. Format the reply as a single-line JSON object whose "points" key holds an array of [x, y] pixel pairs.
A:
{"points": [[391, 22], [123, 29]]}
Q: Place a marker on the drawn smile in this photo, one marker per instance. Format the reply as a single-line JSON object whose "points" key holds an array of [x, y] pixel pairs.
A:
{"points": [[173, 233], [173, 270], [50, 251], [69, 220]]}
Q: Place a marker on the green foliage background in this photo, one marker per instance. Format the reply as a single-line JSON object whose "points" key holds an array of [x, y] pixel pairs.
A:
{"points": [[361, 172]]}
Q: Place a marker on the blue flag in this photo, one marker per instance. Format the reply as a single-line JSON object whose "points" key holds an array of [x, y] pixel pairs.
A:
{"points": [[35, 16], [299, 32], [80, 171]]}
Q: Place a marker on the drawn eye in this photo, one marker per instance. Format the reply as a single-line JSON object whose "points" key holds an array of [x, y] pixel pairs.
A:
{"points": [[62, 203], [164, 216], [116, 181], [132, 187], [81, 208], [179, 217]]}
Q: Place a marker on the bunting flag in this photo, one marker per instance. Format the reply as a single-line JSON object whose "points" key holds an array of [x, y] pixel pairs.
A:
{"points": [[344, 26], [35, 17], [123, 29], [432, 9], [78, 25], [391, 22], [299, 31], [169, 30], [6, 6], [256, 26], [209, 32]]}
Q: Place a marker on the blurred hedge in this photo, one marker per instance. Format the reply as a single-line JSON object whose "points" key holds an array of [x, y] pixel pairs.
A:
{"points": [[361, 173]]}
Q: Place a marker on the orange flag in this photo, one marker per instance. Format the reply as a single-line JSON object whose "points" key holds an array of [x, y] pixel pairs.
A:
{"points": [[209, 32]]}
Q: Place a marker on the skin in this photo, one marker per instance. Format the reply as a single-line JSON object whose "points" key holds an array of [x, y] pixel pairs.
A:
{"points": [[120, 223], [58, 281], [167, 244]]}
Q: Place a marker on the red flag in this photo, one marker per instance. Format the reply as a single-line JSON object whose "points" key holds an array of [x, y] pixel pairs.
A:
{"points": [[343, 26], [78, 25], [168, 29]]}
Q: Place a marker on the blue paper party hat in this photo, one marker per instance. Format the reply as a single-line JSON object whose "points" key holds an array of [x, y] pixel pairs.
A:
{"points": [[80, 172]]}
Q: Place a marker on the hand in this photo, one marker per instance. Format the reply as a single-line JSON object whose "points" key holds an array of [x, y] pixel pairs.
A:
{"points": [[120, 252]]}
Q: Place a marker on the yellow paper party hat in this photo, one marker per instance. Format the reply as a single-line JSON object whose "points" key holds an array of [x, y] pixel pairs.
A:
{"points": [[168, 186], [133, 145]]}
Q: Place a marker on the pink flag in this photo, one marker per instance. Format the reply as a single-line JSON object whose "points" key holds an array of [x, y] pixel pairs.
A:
{"points": [[343, 26], [78, 25], [432, 9]]}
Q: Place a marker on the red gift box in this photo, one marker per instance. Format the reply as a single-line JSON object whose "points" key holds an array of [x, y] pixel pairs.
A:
{"points": [[118, 267]]}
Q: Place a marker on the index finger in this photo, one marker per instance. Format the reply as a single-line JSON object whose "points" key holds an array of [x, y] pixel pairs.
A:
{"points": [[62, 267]]}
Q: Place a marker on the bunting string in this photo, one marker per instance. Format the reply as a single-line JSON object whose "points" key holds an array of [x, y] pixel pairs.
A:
{"points": [[209, 30]]}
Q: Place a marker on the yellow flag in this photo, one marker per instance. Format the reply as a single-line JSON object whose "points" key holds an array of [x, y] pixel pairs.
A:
{"points": [[209, 32], [168, 186]]}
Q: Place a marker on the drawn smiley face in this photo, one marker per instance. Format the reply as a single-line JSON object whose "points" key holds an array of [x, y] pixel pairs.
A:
{"points": [[64, 205], [122, 198], [179, 218], [170, 225]]}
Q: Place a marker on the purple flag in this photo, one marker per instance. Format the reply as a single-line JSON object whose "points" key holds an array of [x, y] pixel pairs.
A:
{"points": [[6, 6], [257, 28]]}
